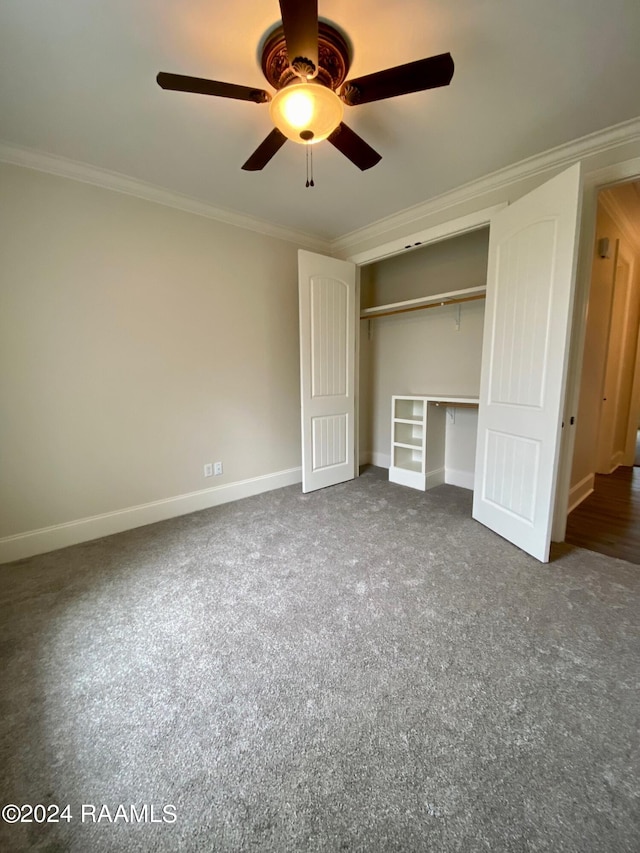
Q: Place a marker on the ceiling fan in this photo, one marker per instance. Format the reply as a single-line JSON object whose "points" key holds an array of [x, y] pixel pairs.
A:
{"points": [[306, 61]]}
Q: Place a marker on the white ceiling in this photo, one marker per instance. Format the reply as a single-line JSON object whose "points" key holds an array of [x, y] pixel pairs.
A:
{"points": [[77, 80]]}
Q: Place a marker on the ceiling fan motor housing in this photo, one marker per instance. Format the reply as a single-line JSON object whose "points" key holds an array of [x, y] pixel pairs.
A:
{"points": [[334, 59]]}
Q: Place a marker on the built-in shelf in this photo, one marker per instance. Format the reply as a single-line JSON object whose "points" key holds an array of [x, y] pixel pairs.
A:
{"points": [[418, 429], [450, 297]]}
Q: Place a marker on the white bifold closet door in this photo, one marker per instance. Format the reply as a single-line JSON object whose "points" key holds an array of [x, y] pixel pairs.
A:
{"points": [[530, 289], [327, 291]]}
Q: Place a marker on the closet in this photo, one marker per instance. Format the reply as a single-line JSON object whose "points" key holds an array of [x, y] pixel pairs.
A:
{"points": [[518, 372], [421, 324]]}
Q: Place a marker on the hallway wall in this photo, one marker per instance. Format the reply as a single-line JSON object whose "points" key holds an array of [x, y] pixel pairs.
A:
{"points": [[612, 324]]}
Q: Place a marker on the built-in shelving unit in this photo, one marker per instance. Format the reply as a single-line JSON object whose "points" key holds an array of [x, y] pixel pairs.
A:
{"points": [[418, 431], [450, 297]]}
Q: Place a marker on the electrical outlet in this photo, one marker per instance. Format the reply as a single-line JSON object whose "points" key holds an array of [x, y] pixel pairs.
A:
{"points": [[208, 470], [217, 469]]}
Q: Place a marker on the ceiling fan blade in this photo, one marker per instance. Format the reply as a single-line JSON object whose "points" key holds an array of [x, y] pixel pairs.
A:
{"points": [[354, 147], [200, 86], [300, 25], [415, 76], [265, 151]]}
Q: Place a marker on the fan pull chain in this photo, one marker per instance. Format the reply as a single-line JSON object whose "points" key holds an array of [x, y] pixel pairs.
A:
{"points": [[310, 182]]}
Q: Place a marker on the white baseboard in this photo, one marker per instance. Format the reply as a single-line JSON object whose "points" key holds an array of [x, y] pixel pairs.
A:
{"points": [[381, 460], [463, 479], [454, 477], [84, 529], [403, 477], [435, 478], [580, 491], [617, 460]]}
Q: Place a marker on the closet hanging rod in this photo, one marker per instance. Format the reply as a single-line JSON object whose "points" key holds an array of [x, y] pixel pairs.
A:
{"points": [[438, 301], [454, 405]]}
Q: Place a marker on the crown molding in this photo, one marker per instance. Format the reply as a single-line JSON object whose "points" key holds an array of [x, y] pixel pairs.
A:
{"points": [[620, 216], [538, 165], [77, 171]]}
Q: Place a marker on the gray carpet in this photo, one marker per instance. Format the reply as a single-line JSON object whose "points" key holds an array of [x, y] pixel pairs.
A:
{"points": [[360, 669]]}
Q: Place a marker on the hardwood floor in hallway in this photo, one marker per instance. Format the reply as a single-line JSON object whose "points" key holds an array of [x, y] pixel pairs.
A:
{"points": [[608, 521]]}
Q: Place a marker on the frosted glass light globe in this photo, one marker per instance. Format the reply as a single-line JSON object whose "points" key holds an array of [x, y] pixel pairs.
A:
{"points": [[306, 112]]}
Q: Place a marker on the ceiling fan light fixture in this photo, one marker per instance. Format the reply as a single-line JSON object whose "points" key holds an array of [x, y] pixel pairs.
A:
{"points": [[306, 112]]}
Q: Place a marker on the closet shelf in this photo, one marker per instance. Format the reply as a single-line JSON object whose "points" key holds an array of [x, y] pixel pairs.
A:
{"points": [[435, 301]]}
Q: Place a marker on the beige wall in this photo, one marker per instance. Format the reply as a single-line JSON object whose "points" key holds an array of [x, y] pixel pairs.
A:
{"points": [[137, 342], [421, 352]]}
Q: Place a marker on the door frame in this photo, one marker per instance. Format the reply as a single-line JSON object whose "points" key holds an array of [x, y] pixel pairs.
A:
{"points": [[434, 234], [593, 181], [622, 260]]}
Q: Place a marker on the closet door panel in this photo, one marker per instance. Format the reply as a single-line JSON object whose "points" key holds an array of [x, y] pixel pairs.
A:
{"points": [[327, 291], [530, 287]]}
